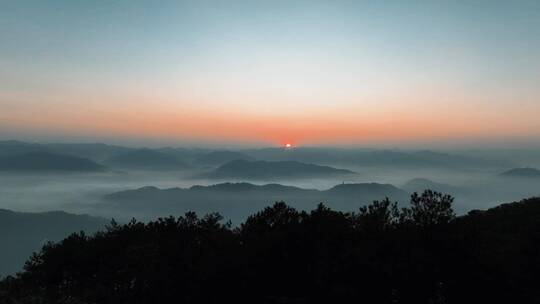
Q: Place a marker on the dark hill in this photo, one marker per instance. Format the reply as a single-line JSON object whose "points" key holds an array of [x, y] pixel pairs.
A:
{"points": [[506, 218], [14, 147], [375, 158], [522, 172], [357, 190], [245, 187], [237, 200], [45, 161], [242, 169], [95, 151]]}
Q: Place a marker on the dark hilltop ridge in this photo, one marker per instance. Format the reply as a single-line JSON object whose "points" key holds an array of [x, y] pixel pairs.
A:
{"points": [[170, 158], [351, 190], [94, 151], [243, 169], [236, 201], [421, 253], [376, 158], [46, 161], [522, 172]]}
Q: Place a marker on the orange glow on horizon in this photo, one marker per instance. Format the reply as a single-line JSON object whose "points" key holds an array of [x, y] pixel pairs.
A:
{"points": [[356, 124], [278, 130]]}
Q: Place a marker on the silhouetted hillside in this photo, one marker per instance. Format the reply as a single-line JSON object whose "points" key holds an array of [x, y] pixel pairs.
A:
{"points": [[187, 155], [95, 151], [23, 233], [359, 190], [216, 158], [45, 161], [237, 200], [247, 187], [420, 254], [14, 147], [506, 218], [374, 158], [208, 157], [146, 159], [522, 172], [242, 169]]}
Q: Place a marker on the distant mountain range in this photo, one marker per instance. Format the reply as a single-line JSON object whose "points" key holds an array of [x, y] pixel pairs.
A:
{"points": [[237, 200], [145, 159], [374, 158], [176, 158], [46, 161], [23, 233], [522, 173], [96, 152], [216, 158], [13, 147], [262, 170]]}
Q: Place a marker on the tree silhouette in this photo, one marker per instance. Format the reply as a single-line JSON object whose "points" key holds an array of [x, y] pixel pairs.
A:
{"points": [[379, 254], [377, 217], [429, 209]]}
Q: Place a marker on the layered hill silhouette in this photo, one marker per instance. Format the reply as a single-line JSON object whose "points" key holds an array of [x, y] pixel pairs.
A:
{"points": [[145, 159], [243, 169], [207, 157], [522, 173], [23, 233], [46, 161], [94, 151], [237, 200], [374, 158], [14, 147], [216, 158], [97, 152]]}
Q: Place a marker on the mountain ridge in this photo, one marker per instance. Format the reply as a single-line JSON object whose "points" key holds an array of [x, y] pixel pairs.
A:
{"points": [[525, 172], [48, 161], [263, 169], [236, 200]]}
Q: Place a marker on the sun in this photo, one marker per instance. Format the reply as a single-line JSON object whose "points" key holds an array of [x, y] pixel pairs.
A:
{"points": [[288, 146]]}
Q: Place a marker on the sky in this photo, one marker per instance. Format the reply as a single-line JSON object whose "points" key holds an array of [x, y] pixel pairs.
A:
{"points": [[271, 72]]}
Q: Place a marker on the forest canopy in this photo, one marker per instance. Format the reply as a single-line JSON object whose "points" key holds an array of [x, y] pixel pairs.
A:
{"points": [[380, 254]]}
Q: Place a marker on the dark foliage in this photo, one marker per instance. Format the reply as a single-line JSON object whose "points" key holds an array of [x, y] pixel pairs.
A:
{"points": [[380, 254]]}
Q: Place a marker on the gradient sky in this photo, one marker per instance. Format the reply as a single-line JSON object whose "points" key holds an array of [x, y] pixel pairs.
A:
{"points": [[271, 72]]}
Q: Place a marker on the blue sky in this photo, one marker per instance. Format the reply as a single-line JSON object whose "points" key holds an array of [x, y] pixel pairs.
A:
{"points": [[188, 70]]}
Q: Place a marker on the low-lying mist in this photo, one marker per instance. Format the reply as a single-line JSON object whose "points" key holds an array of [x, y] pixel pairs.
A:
{"points": [[123, 183], [84, 192]]}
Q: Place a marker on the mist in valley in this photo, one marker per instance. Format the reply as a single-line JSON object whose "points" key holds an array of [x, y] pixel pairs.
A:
{"points": [[45, 188], [83, 192]]}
